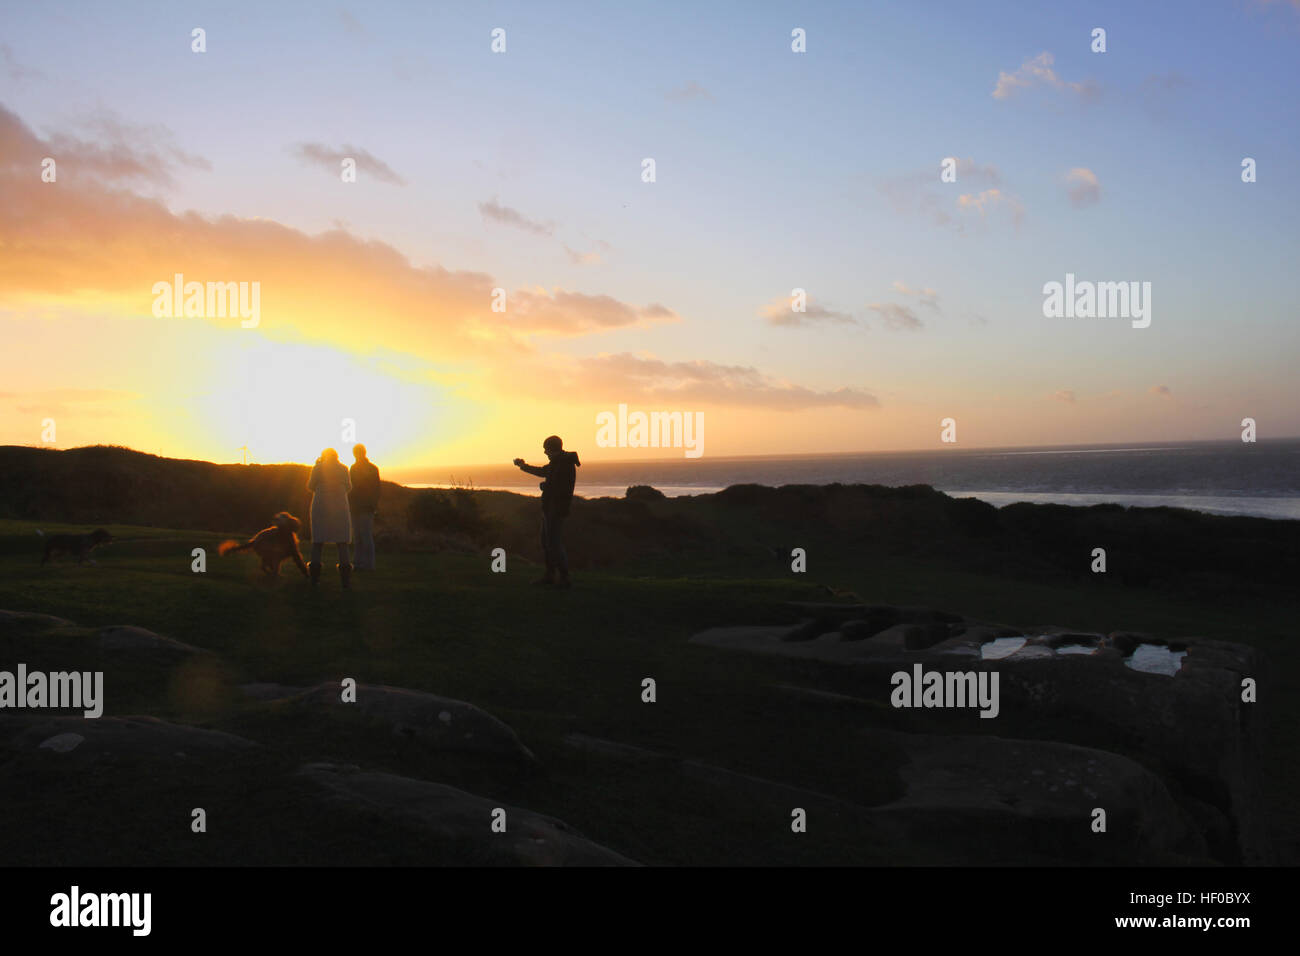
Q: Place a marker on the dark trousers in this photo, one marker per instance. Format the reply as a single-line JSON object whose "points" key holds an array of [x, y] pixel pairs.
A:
{"points": [[553, 543]]}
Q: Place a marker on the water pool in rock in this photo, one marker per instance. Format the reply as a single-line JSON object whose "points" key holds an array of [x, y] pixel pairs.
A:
{"points": [[1075, 649], [1155, 659], [1001, 647]]}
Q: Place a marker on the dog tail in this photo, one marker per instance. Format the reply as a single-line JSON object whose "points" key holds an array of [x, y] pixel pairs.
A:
{"points": [[226, 547]]}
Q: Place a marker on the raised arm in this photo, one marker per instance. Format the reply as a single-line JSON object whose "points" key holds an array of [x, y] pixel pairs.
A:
{"points": [[541, 471]]}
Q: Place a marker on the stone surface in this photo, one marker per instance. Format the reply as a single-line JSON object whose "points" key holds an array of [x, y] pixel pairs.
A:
{"points": [[110, 737], [13, 619], [444, 812], [1192, 726], [1018, 788], [123, 637], [440, 722]]}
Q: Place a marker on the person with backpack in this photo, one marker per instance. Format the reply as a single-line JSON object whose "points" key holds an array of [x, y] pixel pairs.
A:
{"points": [[559, 476]]}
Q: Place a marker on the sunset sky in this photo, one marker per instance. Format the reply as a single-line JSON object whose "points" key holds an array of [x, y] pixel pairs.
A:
{"points": [[522, 170]]}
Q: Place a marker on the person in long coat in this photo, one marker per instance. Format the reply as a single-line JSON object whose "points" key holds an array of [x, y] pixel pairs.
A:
{"points": [[330, 521]]}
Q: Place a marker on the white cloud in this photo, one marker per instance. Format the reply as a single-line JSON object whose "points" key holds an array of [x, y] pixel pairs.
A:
{"points": [[1082, 187], [779, 312], [1038, 71], [330, 158], [990, 200]]}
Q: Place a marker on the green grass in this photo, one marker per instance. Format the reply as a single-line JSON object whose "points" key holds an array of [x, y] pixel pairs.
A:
{"points": [[550, 664]]}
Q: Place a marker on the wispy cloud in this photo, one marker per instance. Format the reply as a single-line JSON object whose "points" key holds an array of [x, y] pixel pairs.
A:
{"points": [[331, 159], [691, 91], [922, 193], [592, 258], [351, 24], [1159, 93], [705, 382], [780, 311], [1038, 72], [83, 402], [896, 317], [316, 285], [1082, 187], [991, 200], [928, 297], [495, 212], [14, 70], [120, 153], [971, 172], [562, 312], [337, 289], [1161, 390], [1065, 395]]}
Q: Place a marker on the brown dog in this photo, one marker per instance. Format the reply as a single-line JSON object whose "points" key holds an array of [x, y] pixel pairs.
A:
{"points": [[273, 545], [79, 545]]}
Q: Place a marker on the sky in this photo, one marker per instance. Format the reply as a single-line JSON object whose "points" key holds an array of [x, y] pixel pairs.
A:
{"points": [[523, 171]]}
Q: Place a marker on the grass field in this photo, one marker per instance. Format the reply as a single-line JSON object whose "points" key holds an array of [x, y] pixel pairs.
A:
{"points": [[549, 664]]}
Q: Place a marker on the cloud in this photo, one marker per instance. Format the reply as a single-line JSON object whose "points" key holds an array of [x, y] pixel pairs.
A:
{"points": [[1161, 390], [582, 258], [1037, 71], [16, 72], [970, 171], [1065, 395], [71, 402], [990, 200], [599, 249], [121, 153], [1082, 187], [780, 311], [691, 91], [332, 159], [702, 382], [85, 240], [911, 195], [512, 217], [896, 317], [351, 24], [560, 312], [495, 212], [928, 297], [93, 245], [922, 193], [1159, 92]]}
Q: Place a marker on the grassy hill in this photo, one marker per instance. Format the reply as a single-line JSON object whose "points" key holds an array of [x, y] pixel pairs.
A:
{"points": [[561, 667]]}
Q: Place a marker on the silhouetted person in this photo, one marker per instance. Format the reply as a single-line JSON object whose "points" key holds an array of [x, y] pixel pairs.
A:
{"points": [[560, 475], [329, 485], [363, 500]]}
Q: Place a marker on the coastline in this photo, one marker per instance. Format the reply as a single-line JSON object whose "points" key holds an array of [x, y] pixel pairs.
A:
{"points": [[1277, 508]]}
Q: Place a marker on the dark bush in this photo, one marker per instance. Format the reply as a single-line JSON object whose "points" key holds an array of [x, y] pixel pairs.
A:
{"points": [[644, 493], [453, 511]]}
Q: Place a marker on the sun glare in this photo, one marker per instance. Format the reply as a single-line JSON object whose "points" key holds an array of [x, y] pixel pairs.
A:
{"points": [[287, 401]]}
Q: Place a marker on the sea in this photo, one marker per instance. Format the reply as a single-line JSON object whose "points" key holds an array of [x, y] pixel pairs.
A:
{"points": [[1260, 479]]}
